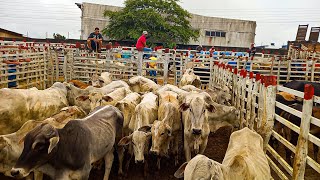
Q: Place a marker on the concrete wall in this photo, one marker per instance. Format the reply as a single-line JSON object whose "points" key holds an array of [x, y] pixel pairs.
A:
{"points": [[239, 33], [92, 16]]}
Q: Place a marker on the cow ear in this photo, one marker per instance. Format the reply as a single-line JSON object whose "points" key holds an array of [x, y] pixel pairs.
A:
{"points": [[179, 173], [82, 98], [169, 130], [107, 98], [211, 108], [125, 140], [145, 128], [184, 106], [3, 143], [53, 143]]}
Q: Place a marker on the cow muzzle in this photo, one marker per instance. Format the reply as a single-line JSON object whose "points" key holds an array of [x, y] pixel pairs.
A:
{"points": [[196, 131], [154, 152], [18, 172]]}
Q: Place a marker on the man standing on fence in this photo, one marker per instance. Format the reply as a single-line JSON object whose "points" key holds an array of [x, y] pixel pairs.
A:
{"points": [[141, 44], [95, 41]]}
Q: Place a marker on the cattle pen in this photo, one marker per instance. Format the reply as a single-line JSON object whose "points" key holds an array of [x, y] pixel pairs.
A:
{"points": [[253, 84]]}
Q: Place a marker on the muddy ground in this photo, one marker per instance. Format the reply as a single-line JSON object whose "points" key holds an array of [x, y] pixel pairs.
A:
{"points": [[217, 146]]}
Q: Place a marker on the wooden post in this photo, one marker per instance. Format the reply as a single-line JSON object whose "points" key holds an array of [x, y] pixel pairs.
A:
{"points": [[313, 68], [234, 87], [288, 70], [300, 158], [139, 63], [307, 70], [269, 98], [165, 68], [256, 87], [249, 99], [243, 96], [279, 69], [211, 72]]}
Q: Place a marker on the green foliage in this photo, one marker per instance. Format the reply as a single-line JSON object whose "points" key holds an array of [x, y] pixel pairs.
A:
{"points": [[58, 36], [165, 21]]}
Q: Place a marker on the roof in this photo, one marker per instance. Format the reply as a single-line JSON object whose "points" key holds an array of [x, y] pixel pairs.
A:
{"points": [[11, 32]]}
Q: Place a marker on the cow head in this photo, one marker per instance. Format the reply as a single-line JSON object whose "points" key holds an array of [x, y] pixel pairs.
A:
{"points": [[201, 167], [96, 99], [95, 81], [39, 146], [140, 142], [196, 106], [161, 134]]}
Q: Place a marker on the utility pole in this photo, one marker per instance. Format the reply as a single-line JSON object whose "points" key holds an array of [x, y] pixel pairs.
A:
{"points": [[68, 35], [46, 35]]}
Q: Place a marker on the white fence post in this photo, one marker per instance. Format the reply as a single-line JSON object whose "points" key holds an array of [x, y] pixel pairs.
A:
{"points": [[288, 70], [255, 90], [165, 66], [139, 62], [313, 68], [249, 99], [269, 99], [300, 158], [242, 93], [234, 87]]}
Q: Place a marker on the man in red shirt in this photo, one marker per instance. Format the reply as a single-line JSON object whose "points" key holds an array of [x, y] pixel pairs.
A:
{"points": [[141, 43]]}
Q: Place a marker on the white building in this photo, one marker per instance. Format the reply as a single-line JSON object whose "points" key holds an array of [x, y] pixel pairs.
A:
{"points": [[214, 31]]}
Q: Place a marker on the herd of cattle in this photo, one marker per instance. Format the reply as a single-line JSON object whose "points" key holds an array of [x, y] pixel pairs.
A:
{"points": [[64, 131]]}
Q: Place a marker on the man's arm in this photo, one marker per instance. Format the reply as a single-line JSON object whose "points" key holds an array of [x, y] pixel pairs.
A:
{"points": [[91, 37], [100, 37]]}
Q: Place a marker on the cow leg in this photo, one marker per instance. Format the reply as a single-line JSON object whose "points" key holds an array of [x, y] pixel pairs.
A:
{"points": [[38, 175], [130, 152], [176, 149], [108, 160], [315, 152], [158, 162], [187, 149], [145, 169], [121, 155]]}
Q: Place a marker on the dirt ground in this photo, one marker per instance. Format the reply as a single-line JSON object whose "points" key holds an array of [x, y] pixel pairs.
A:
{"points": [[216, 148]]}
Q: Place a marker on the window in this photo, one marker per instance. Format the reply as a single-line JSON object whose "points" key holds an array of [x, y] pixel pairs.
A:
{"points": [[215, 34]]}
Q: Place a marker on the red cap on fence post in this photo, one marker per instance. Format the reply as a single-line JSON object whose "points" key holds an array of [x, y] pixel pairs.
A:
{"points": [[308, 91], [251, 75], [262, 79], [235, 71], [244, 74], [270, 81], [258, 76], [167, 50]]}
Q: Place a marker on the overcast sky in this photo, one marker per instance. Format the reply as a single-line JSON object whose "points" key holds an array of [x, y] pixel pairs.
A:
{"points": [[277, 20]]}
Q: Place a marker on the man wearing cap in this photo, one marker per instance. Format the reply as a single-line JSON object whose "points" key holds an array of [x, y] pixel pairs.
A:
{"points": [[141, 43], [95, 41]]}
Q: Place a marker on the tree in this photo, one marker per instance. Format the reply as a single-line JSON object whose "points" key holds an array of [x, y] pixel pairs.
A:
{"points": [[165, 20], [58, 36]]}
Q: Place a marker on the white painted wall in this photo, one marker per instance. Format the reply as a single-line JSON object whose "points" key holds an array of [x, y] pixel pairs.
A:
{"points": [[239, 33]]}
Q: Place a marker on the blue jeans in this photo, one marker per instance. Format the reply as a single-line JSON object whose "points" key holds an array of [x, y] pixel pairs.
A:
{"points": [[147, 56], [153, 73]]}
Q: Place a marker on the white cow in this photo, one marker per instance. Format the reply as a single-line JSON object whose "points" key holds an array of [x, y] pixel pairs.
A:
{"points": [[19, 105], [195, 107], [141, 84], [166, 130], [190, 78], [98, 98], [102, 80], [146, 112], [244, 159]]}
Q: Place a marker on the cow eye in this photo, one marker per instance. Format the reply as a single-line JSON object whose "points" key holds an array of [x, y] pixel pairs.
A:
{"points": [[162, 134]]}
